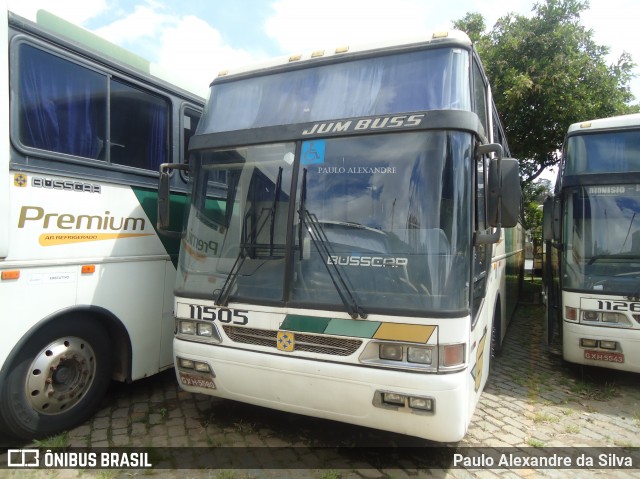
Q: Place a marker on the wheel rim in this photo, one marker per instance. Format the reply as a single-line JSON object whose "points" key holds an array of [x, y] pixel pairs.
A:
{"points": [[60, 375]]}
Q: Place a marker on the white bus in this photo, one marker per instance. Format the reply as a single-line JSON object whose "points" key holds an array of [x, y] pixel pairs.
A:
{"points": [[592, 226], [86, 288], [342, 256]]}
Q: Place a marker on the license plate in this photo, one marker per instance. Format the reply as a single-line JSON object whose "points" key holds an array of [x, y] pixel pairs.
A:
{"points": [[604, 356], [196, 381]]}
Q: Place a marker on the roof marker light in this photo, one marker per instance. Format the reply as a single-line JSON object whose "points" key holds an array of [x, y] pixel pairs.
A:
{"points": [[586, 124], [317, 53], [295, 58], [440, 35], [342, 49]]}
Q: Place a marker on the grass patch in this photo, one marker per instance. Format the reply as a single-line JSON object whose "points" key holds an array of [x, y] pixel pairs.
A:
{"points": [[544, 417], [589, 390], [61, 441], [572, 429], [331, 475], [535, 443]]}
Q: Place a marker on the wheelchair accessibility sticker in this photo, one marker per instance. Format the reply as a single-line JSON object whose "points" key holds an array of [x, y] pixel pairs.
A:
{"points": [[313, 152]]}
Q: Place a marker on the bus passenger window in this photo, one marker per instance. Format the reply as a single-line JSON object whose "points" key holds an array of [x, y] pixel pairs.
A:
{"points": [[62, 105], [139, 126]]}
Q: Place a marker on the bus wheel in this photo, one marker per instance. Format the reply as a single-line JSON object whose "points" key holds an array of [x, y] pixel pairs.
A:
{"points": [[57, 379]]}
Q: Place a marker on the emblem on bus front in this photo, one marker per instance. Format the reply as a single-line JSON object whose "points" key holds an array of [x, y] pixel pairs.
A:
{"points": [[286, 341]]}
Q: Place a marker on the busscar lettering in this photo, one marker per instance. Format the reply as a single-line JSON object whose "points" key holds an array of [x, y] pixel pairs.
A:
{"points": [[65, 185], [375, 123], [367, 261]]}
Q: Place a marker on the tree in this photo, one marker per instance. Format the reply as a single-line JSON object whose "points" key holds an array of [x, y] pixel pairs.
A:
{"points": [[546, 73]]}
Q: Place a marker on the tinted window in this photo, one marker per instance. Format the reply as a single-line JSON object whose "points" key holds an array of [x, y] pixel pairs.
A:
{"points": [[139, 129], [62, 105], [62, 108]]}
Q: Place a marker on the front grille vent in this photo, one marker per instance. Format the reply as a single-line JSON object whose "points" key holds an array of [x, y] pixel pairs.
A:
{"points": [[331, 345]]}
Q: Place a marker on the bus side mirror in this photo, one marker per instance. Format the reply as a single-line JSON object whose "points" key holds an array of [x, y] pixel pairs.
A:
{"points": [[547, 219], [504, 193], [551, 219], [164, 198]]}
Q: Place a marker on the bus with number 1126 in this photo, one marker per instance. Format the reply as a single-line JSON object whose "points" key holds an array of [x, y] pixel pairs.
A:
{"points": [[349, 250], [592, 228]]}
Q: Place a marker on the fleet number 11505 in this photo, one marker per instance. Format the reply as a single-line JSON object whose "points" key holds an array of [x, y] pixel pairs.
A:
{"points": [[224, 315]]}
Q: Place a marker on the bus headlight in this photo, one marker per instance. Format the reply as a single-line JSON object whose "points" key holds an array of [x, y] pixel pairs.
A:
{"points": [[205, 329], [186, 327], [199, 331], [590, 316], [392, 352], [612, 319], [425, 404], [419, 355]]}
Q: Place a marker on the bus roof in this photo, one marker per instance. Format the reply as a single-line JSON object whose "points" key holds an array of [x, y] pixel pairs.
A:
{"points": [[614, 122], [454, 37]]}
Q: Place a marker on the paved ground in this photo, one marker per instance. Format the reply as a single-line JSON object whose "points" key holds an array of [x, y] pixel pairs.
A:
{"points": [[533, 400]]}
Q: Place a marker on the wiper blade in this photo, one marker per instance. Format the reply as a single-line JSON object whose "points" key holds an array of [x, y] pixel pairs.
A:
{"points": [[274, 205], [223, 295], [319, 239]]}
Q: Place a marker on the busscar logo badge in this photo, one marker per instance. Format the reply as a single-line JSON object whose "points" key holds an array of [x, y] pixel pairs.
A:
{"points": [[286, 341], [20, 180]]}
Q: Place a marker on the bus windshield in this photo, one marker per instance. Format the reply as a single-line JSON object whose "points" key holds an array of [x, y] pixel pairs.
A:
{"points": [[602, 247], [611, 152], [434, 79], [381, 219]]}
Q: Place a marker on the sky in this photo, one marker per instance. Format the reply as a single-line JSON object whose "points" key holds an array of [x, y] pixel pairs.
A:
{"points": [[199, 38]]}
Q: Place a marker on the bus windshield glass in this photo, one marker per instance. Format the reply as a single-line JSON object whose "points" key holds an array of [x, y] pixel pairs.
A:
{"points": [[435, 79], [602, 247], [382, 219], [613, 152]]}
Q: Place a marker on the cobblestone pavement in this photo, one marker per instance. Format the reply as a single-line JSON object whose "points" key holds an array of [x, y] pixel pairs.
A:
{"points": [[532, 400]]}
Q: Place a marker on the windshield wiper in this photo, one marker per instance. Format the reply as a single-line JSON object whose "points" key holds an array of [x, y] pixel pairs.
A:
{"points": [[274, 205], [223, 295], [319, 239], [628, 232]]}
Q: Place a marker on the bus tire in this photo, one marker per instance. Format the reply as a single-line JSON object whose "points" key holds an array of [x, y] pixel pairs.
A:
{"points": [[57, 379]]}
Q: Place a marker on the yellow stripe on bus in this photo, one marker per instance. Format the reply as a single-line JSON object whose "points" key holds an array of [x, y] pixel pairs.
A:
{"points": [[414, 333]]}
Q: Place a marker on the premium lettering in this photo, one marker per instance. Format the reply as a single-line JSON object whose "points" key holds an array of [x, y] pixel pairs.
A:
{"points": [[68, 221]]}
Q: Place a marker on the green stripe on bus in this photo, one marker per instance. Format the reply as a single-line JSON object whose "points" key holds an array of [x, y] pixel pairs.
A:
{"points": [[148, 199], [304, 324], [353, 328], [336, 327]]}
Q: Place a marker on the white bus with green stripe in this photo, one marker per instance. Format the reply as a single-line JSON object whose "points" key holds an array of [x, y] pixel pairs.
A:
{"points": [[350, 249], [86, 281]]}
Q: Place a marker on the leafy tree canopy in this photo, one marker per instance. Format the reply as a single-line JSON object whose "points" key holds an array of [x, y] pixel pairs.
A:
{"points": [[546, 73]]}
